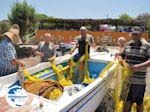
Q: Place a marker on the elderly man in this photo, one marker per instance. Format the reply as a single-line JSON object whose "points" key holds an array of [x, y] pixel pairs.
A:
{"points": [[8, 57], [46, 49], [121, 42], [81, 42], [135, 52]]}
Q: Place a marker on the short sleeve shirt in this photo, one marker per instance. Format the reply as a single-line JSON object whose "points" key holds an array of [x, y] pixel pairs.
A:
{"points": [[136, 53], [48, 50], [82, 43], [7, 54]]}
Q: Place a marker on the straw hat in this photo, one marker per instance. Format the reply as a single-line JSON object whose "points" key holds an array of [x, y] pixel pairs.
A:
{"points": [[13, 34]]}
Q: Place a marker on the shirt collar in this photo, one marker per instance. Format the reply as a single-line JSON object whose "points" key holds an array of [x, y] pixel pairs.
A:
{"points": [[7, 38]]}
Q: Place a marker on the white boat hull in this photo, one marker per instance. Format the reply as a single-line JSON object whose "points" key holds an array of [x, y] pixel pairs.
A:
{"points": [[87, 100]]}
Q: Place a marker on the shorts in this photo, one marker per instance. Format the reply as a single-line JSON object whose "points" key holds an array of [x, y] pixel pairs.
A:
{"points": [[136, 93], [77, 57]]}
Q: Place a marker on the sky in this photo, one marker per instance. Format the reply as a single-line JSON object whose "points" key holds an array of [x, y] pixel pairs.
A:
{"points": [[81, 9]]}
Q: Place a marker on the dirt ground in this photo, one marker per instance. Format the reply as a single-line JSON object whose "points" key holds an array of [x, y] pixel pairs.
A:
{"points": [[30, 62]]}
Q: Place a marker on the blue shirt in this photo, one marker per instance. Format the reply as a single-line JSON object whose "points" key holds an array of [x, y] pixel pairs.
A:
{"points": [[7, 54]]}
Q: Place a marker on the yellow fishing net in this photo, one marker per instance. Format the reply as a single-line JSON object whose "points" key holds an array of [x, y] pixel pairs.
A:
{"points": [[121, 76], [59, 72], [28, 76], [121, 72], [52, 91], [146, 104], [81, 70], [106, 69], [54, 94], [87, 78], [121, 86], [82, 74], [48, 89], [71, 65]]}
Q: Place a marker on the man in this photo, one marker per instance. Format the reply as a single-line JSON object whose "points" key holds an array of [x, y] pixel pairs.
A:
{"points": [[62, 48], [135, 52], [121, 42], [8, 57], [81, 42], [46, 49]]}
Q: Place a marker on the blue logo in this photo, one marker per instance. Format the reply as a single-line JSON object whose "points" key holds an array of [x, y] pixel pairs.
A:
{"points": [[16, 96]]}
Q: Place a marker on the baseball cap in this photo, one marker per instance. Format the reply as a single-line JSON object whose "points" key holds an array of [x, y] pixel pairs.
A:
{"points": [[136, 30]]}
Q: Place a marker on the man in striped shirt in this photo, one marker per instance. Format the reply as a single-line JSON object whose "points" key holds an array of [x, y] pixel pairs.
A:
{"points": [[135, 52], [8, 57]]}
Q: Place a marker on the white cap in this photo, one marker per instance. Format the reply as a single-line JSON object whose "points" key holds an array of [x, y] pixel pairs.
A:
{"points": [[83, 28]]}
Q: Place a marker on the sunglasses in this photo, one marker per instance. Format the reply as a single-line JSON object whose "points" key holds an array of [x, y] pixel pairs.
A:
{"points": [[135, 34]]}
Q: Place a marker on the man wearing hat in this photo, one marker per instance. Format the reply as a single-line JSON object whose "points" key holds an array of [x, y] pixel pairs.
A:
{"points": [[136, 51], [8, 57], [81, 42]]}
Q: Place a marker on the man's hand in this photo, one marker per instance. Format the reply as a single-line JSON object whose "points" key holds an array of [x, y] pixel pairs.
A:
{"points": [[21, 64], [71, 52], [135, 67], [87, 41], [39, 53], [73, 49], [52, 58], [18, 62]]}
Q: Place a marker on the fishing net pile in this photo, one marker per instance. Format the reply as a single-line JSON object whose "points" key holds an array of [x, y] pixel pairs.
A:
{"points": [[116, 95], [45, 88]]}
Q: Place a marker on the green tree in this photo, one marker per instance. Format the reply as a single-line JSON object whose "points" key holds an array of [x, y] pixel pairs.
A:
{"points": [[144, 16], [148, 27], [23, 15], [3, 27], [125, 16], [41, 16]]}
